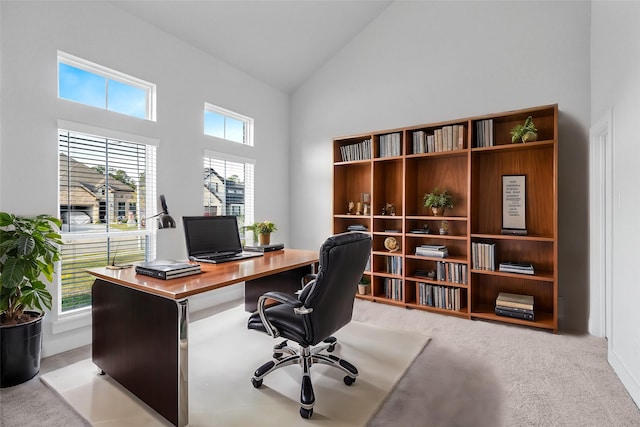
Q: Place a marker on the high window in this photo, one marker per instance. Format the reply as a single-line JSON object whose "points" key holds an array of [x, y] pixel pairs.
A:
{"points": [[106, 191], [92, 84], [228, 188], [227, 125]]}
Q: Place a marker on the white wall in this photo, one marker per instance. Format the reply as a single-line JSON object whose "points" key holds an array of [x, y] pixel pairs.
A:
{"points": [[615, 85], [31, 34], [423, 62]]}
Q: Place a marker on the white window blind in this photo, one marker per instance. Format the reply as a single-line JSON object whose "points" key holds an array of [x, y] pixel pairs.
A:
{"points": [[107, 190], [228, 188]]}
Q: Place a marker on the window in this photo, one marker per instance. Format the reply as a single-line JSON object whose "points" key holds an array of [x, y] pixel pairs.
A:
{"points": [[227, 125], [106, 192], [228, 188], [92, 84]]}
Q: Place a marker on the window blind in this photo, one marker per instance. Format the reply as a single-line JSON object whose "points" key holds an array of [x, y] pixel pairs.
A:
{"points": [[107, 190], [228, 188]]}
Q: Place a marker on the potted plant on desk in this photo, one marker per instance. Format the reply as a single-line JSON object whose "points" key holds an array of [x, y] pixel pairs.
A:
{"points": [[263, 230], [28, 250]]}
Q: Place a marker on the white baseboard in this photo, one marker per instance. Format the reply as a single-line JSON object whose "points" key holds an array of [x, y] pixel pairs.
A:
{"points": [[627, 379]]}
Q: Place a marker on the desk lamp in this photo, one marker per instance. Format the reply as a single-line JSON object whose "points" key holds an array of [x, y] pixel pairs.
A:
{"points": [[164, 219]]}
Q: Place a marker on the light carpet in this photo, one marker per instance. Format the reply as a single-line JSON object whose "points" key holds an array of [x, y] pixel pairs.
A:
{"points": [[223, 354]]}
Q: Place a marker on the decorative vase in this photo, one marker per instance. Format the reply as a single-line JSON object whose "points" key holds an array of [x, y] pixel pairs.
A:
{"points": [[437, 211], [363, 289], [264, 238]]}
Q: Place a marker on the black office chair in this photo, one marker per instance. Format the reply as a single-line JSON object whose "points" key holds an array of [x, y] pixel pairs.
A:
{"points": [[322, 307]]}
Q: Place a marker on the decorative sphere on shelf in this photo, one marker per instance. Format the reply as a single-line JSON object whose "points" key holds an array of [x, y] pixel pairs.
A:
{"points": [[391, 244]]}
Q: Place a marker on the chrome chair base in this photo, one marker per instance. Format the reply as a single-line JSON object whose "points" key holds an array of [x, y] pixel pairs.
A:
{"points": [[284, 355]]}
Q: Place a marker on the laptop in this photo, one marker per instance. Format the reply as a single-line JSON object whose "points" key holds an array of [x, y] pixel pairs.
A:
{"points": [[214, 239]]}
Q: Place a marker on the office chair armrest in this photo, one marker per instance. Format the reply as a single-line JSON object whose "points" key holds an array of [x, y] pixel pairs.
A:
{"points": [[307, 278], [280, 297]]}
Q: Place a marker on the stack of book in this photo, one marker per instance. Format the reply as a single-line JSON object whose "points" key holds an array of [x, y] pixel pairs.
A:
{"points": [[164, 269], [513, 267], [446, 297], [357, 227], [438, 251], [484, 133], [360, 151], [515, 305], [390, 145], [483, 256]]}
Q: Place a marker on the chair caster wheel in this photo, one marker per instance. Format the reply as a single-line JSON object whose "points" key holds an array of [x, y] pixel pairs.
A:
{"points": [[331, 348], [256, 383], [306, 413], [277, 355], [348, 380]]}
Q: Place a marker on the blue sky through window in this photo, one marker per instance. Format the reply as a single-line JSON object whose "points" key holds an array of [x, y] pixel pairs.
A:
{"points": [[127, 99], [76, 84], [213, 124], [81, 86], [224, 127]]}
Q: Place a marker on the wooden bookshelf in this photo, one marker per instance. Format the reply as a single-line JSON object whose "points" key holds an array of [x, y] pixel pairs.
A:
{"points": [[473, 155]]}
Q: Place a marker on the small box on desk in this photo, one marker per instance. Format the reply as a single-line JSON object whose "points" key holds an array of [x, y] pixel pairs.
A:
{"points": [[264, 248], [165, 270]]}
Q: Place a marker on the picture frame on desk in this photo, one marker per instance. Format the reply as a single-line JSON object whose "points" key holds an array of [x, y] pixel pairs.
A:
{"points": [[514, 188]]}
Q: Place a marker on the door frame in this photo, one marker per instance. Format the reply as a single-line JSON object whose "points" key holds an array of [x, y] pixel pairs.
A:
{"points": [[601, 225]]}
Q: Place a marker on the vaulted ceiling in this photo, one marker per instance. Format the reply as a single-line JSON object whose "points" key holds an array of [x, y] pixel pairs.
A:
{"points": [[281, 43]]}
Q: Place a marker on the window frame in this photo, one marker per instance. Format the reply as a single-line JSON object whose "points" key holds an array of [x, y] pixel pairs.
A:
{"points": [[249, 210], [248, 123], [109, 74], [72, 319]]}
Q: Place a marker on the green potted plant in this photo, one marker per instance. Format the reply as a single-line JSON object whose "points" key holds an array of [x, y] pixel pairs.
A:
{"points": [[363, 285], [526, 132], [438, 201], [28, 251], [263, 230]]}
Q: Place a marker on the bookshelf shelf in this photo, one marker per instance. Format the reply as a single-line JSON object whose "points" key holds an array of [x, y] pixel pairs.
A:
{"points": [[467, 157]]}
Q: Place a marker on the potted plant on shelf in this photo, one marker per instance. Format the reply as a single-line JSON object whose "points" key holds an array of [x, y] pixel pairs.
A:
{"points": [[263, 230], [363, 285], [526, 132], [28, 250], [438, 201]]}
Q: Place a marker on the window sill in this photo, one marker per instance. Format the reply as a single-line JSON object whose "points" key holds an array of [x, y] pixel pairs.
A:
{"points": [[70, 321]]}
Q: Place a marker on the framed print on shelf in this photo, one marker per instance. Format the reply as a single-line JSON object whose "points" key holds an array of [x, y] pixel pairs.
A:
{"points": [[514, 204]]}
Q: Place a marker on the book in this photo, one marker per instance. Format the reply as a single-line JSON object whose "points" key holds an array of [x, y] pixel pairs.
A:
{"points": [[518, 310], [514, 300], [503, 311], [512, 267], [167, 269]]}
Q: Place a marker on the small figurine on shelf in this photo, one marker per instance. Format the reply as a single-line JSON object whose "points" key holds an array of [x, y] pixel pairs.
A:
{"points": [[391, 210], [350, 206], [358, 208], [444, 227]]}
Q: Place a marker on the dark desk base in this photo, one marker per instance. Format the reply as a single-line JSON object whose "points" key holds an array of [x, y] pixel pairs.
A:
{"points": [[287, 281], [141, 340]]}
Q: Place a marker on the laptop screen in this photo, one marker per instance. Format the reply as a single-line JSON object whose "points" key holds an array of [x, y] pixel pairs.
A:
{"points": [[211, 234]]}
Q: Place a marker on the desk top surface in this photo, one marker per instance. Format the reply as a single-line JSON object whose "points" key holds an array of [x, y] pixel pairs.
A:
{"points": [[213, 276]]}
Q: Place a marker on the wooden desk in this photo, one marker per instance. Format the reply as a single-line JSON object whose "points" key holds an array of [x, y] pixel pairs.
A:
{"points": [[140, 324]]}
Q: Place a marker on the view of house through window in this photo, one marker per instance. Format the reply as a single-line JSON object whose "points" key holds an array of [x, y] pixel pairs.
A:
{"points": [[227, 125], [92, 84], [228, 190], [107, 190]]}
